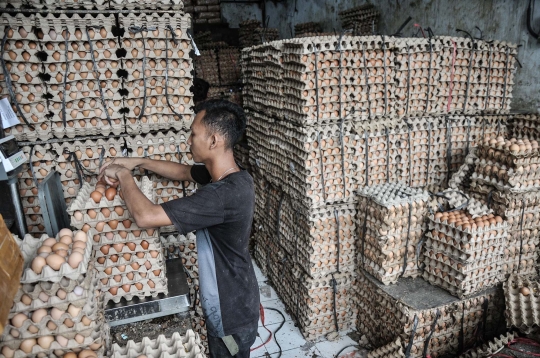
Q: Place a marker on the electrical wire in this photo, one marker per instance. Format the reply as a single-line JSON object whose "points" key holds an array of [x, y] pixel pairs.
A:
{"points": [[342, 349], [261, 310]]}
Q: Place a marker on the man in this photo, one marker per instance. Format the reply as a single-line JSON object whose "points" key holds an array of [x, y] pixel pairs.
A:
{"points": [[221, 212]]}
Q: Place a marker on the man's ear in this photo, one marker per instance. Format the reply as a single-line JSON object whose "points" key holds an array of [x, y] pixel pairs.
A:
{"points": [[214, 139]]}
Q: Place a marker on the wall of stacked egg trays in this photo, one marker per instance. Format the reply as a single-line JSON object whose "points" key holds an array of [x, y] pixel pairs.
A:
{"points": [[328, 116]]}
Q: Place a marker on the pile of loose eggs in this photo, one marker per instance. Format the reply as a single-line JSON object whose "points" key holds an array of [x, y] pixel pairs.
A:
{"points": [[54, 253]]}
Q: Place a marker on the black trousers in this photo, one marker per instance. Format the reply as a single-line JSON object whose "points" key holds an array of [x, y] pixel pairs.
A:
{"points": [[243, 339]]}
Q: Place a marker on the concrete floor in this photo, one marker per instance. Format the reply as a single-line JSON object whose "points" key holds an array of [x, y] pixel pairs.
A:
{"points": [[289, 337]]}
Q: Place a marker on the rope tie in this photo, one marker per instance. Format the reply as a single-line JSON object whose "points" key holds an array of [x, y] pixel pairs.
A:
{"points": [[366, 75], [383, 46], [173, 35], [316, 69], [180, 162], [336, 214], [322, 166], [505, 75], [64, 115], [451, 77], [521, 233], [333, 282], [387, 154], [408, 79], [141, 30], [433, 326], [448, 148], [364, 233], [9, 84], [488, 77], [96, 73], [468, 129], [366, 137], [429, 74], [342, 158], [411, 338], [407, 241], [469, 76], [428, 152], [34, 178], [410, 153]]}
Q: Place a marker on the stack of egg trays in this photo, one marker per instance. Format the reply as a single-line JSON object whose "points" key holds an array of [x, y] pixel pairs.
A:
{"points": [[87, 154], [176, 245], [86, 330], [119, 265], [390, 224], [229, 65], [461, 179], [41, 161], [312, 301], [476, 75], [363, 20], [48, 4], [392, 350], [524, 126], [421, 314], [170, 145], [521, 213], [506, 170], [83, 84], [417, 65], [306, 28], [147, 5], [490, 348], [166, 190], [207, 66], [463, 260], [177, 346], [24, 65], [521, 298], [417, 152], [159, 72], [241, 155], [198, 324]]}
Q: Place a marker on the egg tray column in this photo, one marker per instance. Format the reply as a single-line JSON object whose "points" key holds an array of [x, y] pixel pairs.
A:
{"points": [[58, 308], [159, 72], [21, 77], [178, 346], [426, 319], [524, 126], [522, 304], [390, 224], [128, 259], [505, 171]]}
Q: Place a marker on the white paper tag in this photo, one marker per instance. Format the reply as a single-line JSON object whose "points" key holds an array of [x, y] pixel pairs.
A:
{"points": [[9, 118]]}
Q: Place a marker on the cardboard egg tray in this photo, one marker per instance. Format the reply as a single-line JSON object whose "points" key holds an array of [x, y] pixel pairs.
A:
{"points": [[521, 298], [490, 348], [146, 291], [393, 349], [180, 246], [90, 309], [121, 261], [306, 27], [147, 4], [188, 346], [97, 340], [120, 236], [362, 20], [420, 314], [198, 325], [29, 247], [78, 298], [158, 143], [250, 32]]}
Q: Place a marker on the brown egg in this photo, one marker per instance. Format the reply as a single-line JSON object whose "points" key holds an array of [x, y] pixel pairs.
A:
{"points": [[45, 249], [106, 212], [127, 223], [80, 236], [101, 260], [140, 254], [108, 270], [55, 261], [73, 310], [92, 213], [151, 284], [113, 290], [45, 341], [79, 245], [148, 265], [114, 258], [126, 256], [75, 259], [121, 268], [27, 345], [144, 244], [51, 325], [135, 266], [118, 247], [154, 253], [87, 353], [96, 196], [119, 210], [123, 234], [79, 338], [86, 321], [18, 320], [130, 275], [113, 224], [56, 313], [138, 286], [26, 299], [49, 242], [60, 246], [131, 245], [525, 291], [126, 287], [105, 249], [38, 315], [61, 294], [110, 193], [100, 226]]}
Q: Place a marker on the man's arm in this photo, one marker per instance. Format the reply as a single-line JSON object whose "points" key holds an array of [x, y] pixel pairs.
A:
{"points": [[145, 213], [169, 170]]}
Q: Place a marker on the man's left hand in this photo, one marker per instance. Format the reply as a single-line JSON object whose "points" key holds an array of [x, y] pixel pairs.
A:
{"points": [[111, 173]]}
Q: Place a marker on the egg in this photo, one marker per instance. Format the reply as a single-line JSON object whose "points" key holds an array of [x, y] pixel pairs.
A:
{"points": [[75, 259], [86, 321], [45, 341], [525, 291], [144, 244], [140, 254], [78, 215], [126, 287], [108, 270], [18, 320], [55, 261], [87, 353], [69, 355], [33, 329], [154, 253], [79, 338], [151, 284], [73, 310], [68, 322], [113, 290], [61, 294], [138, 286], [148, 265], [91, 213], [114, 258], [51, 325], [119, 210], [118, 247], [130, 276], [26, 299], [66, 239], [110, 193], [127, 256], [123, 234], [37, 264], [56, 313], [96, 196], [135, 266], [63, 341], [113, 224], [101, 260], [43, 296], [86, 227], [60, 246], [106, 212], [80, 236], [79, 245], [105, 249], [38, 315], [64, 232], [27, 345], [49, 242], [121, 268], [44, 249], [131, 245], [8, 352]]}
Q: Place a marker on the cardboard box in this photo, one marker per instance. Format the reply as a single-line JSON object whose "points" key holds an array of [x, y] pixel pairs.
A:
{"points": [[11, 265]]}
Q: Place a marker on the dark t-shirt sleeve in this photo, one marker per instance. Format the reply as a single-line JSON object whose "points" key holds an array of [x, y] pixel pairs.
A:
{"points": [[200, 174], [201, 210]]}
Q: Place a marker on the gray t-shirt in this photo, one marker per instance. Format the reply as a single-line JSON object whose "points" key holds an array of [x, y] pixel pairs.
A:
{"points": [[222, 214]]}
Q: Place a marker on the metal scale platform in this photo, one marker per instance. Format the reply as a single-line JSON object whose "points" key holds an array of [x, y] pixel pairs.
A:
{"points": [[176, 301]]}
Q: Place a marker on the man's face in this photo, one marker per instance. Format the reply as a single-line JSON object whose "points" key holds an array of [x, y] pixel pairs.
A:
{"points": [[198, 141]]}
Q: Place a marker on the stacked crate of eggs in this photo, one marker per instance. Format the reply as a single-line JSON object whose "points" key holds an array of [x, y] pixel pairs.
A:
{"points": [[229, 65], [82, 65], [390, 224], [79, 161], [206, 66], [524, 126], [362, 20], [21, 77], [168, 145], [187, 345], [464, 253], [251, 33], [58, 309], [128, 259], [425, 318], [307, 29], [506, 170], [146, 4], [157, 72], [520, 293], [476, 75], [41, 161]]}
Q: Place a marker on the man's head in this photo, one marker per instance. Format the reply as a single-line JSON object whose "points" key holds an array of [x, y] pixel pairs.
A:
{"points": [[217, 127]]}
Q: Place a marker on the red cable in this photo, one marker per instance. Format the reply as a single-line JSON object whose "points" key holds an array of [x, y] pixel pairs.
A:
{"points": [[261, 311], [451, 77]]}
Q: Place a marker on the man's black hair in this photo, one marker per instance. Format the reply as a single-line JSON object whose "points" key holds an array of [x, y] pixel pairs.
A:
{"points": [[200, 89], [225, 118]]}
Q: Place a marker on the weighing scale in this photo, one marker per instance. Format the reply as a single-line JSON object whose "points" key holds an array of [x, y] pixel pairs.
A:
{"points": [[176, 301]]}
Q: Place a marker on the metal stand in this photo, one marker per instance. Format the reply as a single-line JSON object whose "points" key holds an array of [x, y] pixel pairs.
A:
{"points": [[17, 205], [176, 301]]}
